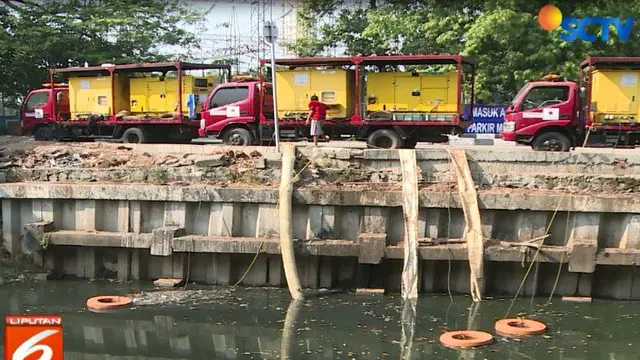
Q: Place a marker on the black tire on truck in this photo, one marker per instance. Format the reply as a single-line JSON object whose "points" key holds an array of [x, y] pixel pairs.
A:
{"points": [[43, 133], [237, 137], [384, 139], [134, 136], [551, 141]]}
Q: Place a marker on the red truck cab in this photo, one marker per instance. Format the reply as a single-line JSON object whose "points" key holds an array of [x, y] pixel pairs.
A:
{"points": [[232, 111], [602, 111], [542, 115], [41, 107]]}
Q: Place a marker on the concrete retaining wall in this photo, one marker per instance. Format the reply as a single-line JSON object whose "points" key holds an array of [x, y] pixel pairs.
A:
{"points": [[583, 173], [588, 162], [349, 237], [348, 221]]}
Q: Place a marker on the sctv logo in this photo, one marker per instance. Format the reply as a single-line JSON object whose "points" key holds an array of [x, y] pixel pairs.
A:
{"points": [[550, 17]]}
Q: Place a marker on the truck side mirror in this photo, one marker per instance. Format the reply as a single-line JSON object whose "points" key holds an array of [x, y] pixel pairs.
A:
{"points": [[510, 108]]}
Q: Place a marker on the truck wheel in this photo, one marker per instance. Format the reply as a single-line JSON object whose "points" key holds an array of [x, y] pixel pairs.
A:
{"points": [[551, 141], [134, 136], [384, 139], [238, 137], [43, 133]]}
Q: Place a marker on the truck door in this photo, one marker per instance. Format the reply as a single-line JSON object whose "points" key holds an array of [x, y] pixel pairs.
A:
{"points": [[547, 103], [227, 102], [36, 108]]}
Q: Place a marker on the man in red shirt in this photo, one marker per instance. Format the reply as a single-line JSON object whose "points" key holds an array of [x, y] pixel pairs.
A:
{"points": [[317, 115]]}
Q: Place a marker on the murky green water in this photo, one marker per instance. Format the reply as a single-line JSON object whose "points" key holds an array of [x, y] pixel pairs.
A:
{"points": [[261, 324]]}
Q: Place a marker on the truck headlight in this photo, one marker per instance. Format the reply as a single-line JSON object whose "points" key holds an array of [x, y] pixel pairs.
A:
{"points": [[509, 126], [201, 123]]}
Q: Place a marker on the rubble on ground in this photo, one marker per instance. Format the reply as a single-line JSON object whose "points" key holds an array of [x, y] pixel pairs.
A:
{"points": [[74, 156], [316, 168], [103, 156], [99, 162]]}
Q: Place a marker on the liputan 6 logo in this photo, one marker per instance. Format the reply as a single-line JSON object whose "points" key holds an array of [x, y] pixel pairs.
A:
{"points": [[33, 337]]}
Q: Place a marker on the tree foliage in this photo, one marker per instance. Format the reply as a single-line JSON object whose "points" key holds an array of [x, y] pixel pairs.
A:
{"points": [[503, 35], [35, 37]]}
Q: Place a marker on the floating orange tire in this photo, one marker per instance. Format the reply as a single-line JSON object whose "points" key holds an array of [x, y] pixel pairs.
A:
{"points": [[107, 302], [465, 339], [519, 327]]}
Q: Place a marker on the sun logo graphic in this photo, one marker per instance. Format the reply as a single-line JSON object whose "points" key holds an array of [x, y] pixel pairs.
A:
{"points": [[550, 18]]}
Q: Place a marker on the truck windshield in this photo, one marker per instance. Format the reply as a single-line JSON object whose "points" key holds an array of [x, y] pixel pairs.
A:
{"points": [[37, 99], [544, 96], [228, 95], [522, 89]]}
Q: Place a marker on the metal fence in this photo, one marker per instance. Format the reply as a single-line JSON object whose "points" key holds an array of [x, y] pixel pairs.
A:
{"points": [[8, 112]]}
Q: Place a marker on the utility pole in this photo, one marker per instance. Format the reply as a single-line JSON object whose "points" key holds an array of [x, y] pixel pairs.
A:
{"points": [[271, 35]]}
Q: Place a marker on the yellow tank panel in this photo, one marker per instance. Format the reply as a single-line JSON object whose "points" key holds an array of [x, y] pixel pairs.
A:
{"points": [[615, 95], [94, 95], [333, 87], [153, 95], [407, 92]]}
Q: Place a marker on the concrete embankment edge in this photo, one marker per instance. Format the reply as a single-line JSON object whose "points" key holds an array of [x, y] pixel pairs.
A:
{"points": [[345, 238]]}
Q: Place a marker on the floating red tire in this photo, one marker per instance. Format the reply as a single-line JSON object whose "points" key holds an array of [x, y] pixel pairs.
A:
{"points": [[519, 327], [108, 302], [465, 339]]}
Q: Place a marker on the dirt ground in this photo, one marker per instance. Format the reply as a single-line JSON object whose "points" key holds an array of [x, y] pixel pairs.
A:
{"points": [[26, 153]]}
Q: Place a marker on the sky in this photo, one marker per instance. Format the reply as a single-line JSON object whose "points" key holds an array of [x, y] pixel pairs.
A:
{"points": [[228, 25]]}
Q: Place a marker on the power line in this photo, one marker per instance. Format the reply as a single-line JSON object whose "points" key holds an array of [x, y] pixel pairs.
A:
{"points": [[230, 39]]}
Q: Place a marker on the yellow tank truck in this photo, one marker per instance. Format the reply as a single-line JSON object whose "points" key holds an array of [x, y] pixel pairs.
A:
{"points": [[366, 101], [120, 102]]}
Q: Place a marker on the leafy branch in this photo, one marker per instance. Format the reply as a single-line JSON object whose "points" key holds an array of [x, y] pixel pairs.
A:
{"points": [[503, 35]]}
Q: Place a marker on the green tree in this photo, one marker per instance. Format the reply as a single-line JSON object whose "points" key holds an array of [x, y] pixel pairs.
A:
{"points": [[503, 35], [35, 37]]}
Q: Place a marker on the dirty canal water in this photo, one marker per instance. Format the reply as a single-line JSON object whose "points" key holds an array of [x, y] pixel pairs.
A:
{"points": [[219, 323]]}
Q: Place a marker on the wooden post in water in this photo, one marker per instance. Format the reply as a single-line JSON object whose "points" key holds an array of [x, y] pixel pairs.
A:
{"points": [[286, 221], [472, 324], [410, 210], [289, 330], [408, 329], [473, 228]]}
